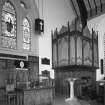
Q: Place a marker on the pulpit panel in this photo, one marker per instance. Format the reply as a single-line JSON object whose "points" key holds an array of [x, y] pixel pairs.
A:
{"points": [[22, 76]]}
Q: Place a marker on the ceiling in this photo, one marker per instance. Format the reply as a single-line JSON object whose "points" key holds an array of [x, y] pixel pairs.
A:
{"points": [[94, 8]]}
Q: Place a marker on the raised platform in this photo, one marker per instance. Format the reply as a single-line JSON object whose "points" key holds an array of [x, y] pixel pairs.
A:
{"points": [[35, 96]]}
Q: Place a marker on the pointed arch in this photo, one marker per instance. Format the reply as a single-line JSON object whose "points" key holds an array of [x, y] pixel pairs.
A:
{"points": [[8, 36]]}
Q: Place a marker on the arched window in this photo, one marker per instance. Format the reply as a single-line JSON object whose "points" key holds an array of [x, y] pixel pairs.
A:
{"points": [[8, 36], [22, 4], [26, 35]]}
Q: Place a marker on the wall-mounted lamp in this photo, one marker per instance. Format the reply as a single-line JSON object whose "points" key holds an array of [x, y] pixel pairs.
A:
{"points": [[39, 25]]}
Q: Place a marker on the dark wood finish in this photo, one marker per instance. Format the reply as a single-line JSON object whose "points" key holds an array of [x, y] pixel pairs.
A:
{"points": [[38, 96], [95, 8], [68, 44], [11, 56], [33, 59], [91, 38], [85, 71]]}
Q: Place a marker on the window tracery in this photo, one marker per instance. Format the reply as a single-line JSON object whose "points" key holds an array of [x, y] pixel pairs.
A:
{"points": [[26, 34], [8, 37]]}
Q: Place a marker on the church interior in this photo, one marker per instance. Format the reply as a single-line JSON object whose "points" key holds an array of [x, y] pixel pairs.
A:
{"points": [[52, 52]]}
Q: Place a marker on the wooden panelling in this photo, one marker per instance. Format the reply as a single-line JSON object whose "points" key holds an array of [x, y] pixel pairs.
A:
{"points": [[63, 87], [40, 96]]}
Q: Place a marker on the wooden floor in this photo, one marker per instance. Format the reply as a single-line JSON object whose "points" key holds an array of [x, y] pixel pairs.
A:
{"points": [[3, 101], [60, 100]]}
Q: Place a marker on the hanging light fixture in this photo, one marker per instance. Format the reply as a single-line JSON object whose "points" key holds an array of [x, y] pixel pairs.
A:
{"points": [[39, 23]]}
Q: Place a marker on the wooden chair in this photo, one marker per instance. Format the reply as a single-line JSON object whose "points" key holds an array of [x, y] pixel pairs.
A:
{"points": [[10, 94]]}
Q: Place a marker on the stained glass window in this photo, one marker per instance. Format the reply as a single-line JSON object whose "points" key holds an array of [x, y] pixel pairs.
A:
{"points": [[26, 34], [8, 37]]}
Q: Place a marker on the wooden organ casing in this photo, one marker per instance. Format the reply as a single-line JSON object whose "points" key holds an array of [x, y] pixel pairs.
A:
{"points": [[74, 54]]}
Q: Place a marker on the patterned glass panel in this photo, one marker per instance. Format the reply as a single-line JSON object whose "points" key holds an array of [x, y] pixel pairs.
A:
{"points": [[8, 7], [8, 26], [26, 46], [26, 35], [8, 42]]}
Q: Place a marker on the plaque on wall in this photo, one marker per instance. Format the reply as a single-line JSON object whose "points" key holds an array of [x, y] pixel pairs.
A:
{"points": [[45, 61], [19, 64]]}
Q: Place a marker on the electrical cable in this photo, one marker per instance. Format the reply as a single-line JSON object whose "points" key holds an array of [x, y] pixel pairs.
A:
{"points": [[38, 8], [42, 9]]}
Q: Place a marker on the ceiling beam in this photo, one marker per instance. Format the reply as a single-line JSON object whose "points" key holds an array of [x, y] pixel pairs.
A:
{"points": [[73, 6], [98, 4], [94, 8], [88, 7]]}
